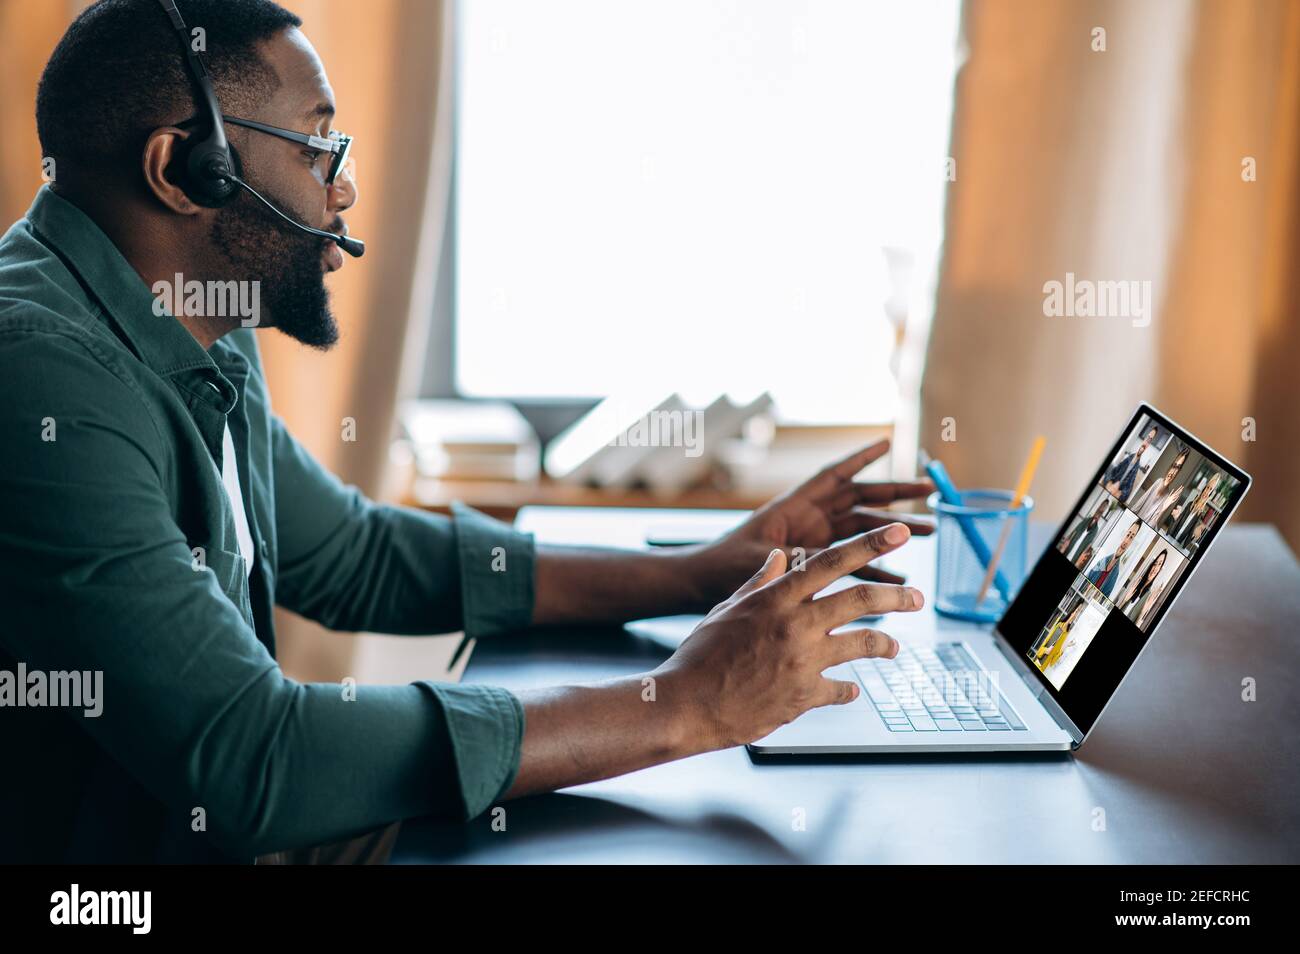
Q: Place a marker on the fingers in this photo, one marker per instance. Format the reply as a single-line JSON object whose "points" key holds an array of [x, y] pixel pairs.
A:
{"points": [[866, 599], [840, 560], [836, 692], [877, 575], [861, 644], [829, 479], [878, 493], [857, 520], [772, 568]]}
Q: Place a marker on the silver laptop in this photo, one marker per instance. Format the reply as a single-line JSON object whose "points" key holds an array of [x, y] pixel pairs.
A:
{"points": [[1041, 678]]}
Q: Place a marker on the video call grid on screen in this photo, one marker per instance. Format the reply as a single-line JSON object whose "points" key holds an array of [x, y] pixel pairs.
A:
{"points": [[1119, 560]]}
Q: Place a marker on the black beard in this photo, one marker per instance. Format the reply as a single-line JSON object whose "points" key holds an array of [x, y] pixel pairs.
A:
{"points": [[259, 246]]}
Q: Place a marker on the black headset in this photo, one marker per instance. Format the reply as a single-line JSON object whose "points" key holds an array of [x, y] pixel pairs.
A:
{"points": [[209, 167], [207, 162]]}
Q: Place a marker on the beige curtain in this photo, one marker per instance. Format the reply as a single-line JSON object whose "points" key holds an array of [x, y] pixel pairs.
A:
{"points": [[388, 63], [1122, 164]]}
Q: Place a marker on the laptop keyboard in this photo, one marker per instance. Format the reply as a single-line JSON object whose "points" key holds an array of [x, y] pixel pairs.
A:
{"points": [[939, 689]]}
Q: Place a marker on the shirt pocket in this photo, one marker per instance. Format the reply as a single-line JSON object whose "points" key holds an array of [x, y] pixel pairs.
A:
{"points": [[232, 577]]}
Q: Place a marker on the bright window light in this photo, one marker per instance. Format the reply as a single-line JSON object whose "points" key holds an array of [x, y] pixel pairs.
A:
{"points": [[696, 195]]}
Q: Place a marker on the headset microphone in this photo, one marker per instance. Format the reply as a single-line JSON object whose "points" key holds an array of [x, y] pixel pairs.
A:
{"points": [[354, 247]]}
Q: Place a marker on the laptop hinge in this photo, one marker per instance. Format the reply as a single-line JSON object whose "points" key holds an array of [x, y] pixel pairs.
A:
{"points": [[1035, 686]]}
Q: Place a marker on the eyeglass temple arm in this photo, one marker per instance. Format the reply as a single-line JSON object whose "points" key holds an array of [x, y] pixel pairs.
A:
{"points": [[316, 142]]}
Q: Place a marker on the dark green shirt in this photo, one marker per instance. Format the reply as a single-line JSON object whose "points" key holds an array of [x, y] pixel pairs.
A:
{"points": [[118, 554]]}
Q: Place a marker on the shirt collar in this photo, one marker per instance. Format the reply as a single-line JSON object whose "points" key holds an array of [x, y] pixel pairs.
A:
{"points": [[161, 342]]}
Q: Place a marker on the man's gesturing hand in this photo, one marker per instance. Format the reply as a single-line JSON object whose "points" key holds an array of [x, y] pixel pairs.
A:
{"points": [[756, 661], [829, 506]]}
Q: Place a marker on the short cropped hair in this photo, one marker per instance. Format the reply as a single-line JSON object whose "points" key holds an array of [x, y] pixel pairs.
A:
{"points": [[119, 73]]}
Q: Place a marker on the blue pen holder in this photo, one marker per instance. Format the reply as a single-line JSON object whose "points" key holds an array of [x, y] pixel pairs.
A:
{"points": [[960, 571]]}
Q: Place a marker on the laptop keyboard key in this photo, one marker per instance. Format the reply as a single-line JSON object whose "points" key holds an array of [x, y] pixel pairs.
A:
{"points": [[935, 690]]}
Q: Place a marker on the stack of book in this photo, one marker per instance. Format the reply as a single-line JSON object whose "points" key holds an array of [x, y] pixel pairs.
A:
{"points": [[470, 440]]}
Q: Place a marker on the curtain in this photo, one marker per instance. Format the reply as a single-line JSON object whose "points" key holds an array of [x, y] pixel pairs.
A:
{"points": [[1169, 156], [388, 62]]}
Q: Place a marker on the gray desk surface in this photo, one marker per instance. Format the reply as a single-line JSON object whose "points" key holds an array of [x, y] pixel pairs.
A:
{"points": [[1179, 770]]}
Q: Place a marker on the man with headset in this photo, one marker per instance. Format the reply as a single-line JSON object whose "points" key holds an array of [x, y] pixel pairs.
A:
{"points": [[155, 510]]}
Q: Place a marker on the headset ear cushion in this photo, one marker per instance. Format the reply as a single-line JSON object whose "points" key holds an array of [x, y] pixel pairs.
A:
{"points": [[205, 179]]}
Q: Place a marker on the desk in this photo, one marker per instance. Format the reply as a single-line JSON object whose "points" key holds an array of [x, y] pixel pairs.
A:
{"points": [[1180, 769]]}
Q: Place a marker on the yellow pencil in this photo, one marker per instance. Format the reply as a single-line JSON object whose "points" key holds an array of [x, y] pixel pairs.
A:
{"points": [[1022, 488]]}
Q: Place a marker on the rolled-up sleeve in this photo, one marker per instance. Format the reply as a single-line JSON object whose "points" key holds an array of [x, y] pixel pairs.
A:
{"points": [[485, 727], [354, 565], [496, 573], [486, 724]]}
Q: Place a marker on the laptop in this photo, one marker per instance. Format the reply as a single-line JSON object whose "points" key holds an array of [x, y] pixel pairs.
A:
{"points": [[1042, 677]]}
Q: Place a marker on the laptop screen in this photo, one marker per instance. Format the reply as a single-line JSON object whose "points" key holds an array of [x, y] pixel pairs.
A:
{"points": [[1118, 561]]}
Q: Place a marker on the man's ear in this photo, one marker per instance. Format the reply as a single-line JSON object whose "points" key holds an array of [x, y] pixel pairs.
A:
{"points": [[160, 167]]}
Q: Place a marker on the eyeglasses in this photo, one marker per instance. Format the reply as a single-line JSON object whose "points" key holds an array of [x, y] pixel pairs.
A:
{"points": [[337, 144]]}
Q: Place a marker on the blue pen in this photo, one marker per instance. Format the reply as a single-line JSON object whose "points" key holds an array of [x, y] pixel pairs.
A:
{"points": [[951, 496]]}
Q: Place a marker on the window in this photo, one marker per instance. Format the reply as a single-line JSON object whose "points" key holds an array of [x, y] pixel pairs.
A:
{"points": [[696, 195]]}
